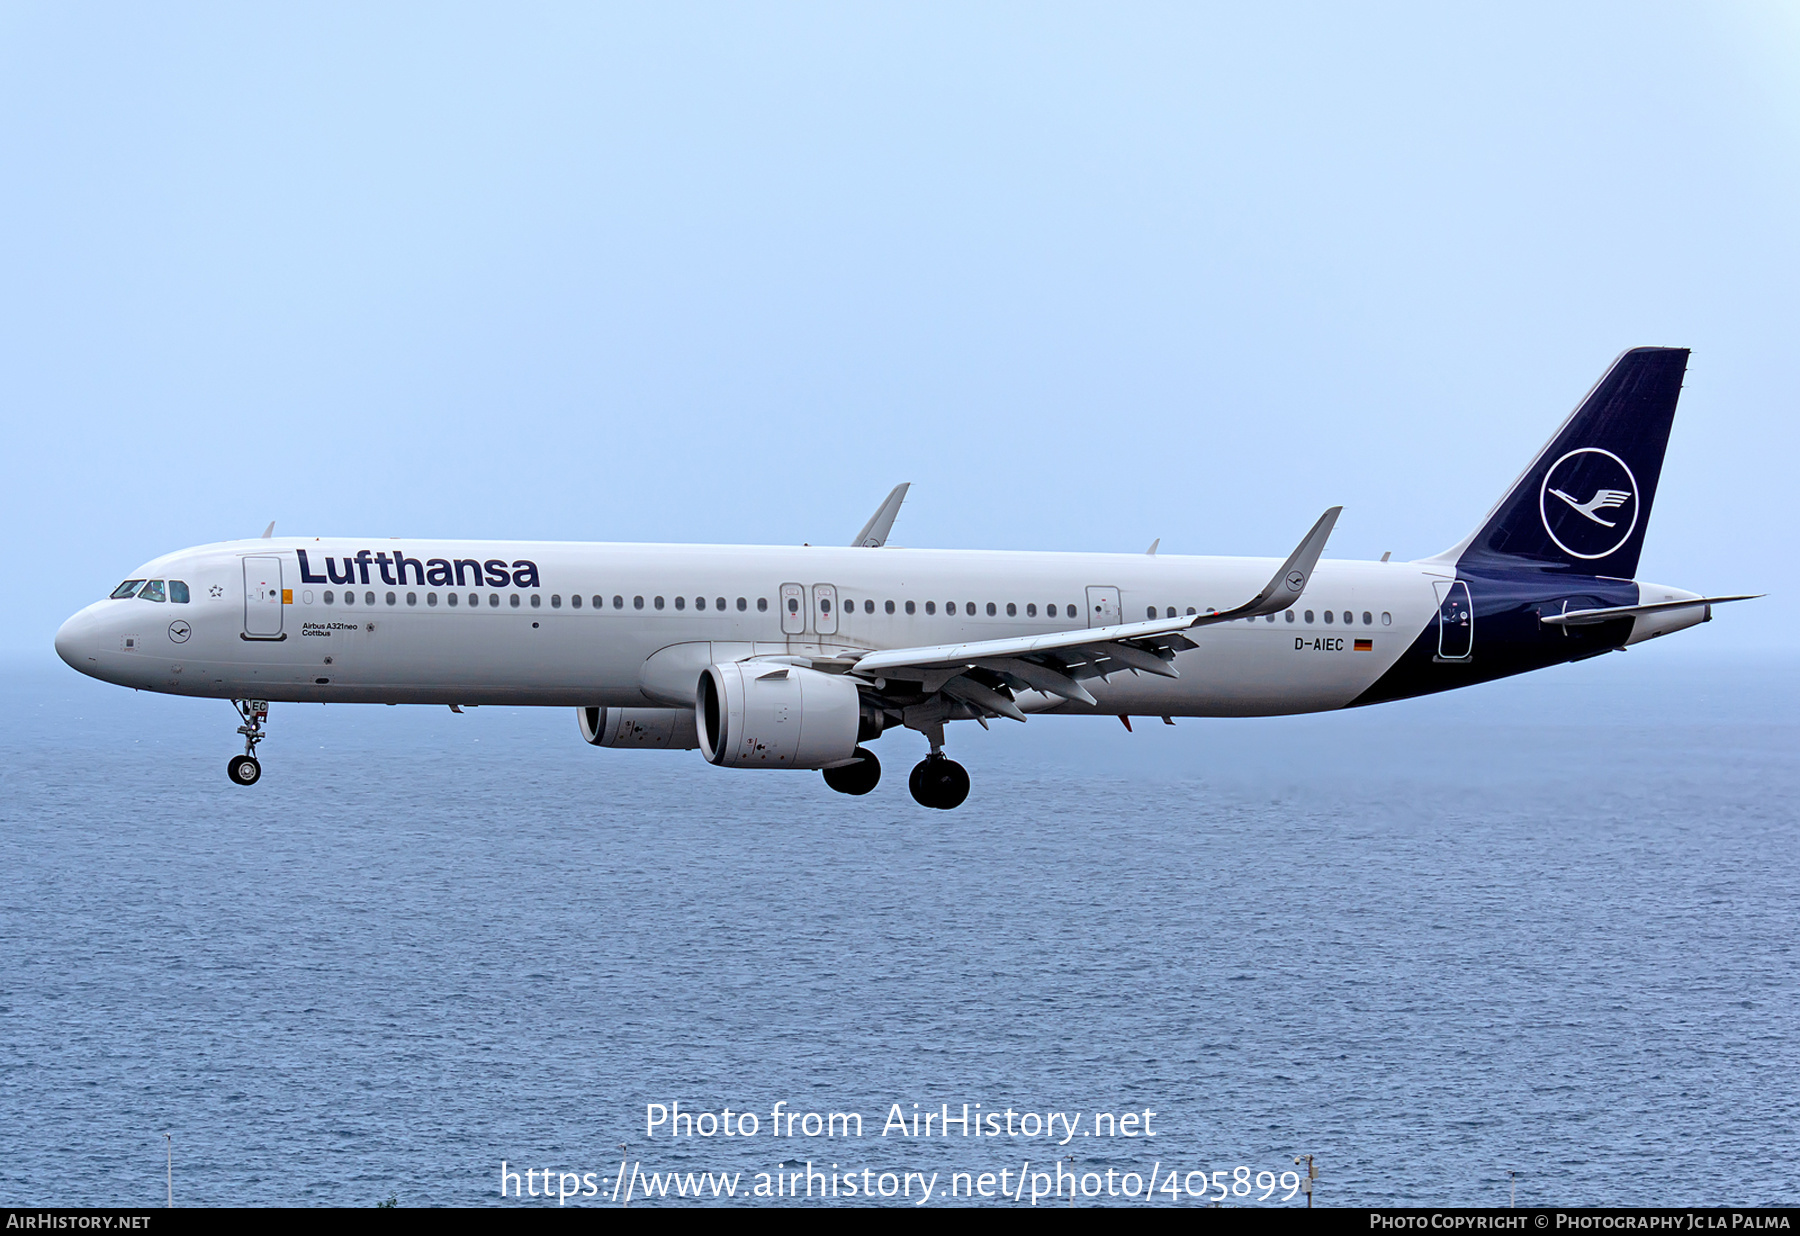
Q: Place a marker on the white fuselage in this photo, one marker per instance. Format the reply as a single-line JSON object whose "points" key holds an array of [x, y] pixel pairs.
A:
{"points": [[651, 617]]}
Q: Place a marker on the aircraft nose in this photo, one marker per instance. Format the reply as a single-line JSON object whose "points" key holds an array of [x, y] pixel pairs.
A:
{"points": [[77, 640]]}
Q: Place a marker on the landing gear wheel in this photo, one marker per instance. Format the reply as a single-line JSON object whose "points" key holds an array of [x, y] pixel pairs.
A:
{"points": [[939, 781], [858, 778], [244, 770]]}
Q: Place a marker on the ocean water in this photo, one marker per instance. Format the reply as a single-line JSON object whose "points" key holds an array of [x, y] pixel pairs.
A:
{"points": [[1545, 926]]}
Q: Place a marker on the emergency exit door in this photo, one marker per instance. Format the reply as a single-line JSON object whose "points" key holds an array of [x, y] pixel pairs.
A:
{"points": [[793, 609], [263, 597], [1102, 607]]}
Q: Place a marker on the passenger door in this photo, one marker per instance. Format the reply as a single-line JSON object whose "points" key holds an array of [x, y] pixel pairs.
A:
{"points": [[1102, 607], [1456, 621], [263, 597]]}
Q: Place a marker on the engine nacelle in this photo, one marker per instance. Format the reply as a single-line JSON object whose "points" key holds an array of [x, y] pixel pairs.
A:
{"points": [[667, 729], [759, 715]]}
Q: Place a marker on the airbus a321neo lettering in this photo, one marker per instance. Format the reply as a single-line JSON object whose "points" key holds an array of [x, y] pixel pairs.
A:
{"points": [[788, 658]]}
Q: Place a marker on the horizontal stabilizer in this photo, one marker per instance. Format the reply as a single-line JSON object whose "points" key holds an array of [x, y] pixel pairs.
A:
{"points": [[1594, 617]]}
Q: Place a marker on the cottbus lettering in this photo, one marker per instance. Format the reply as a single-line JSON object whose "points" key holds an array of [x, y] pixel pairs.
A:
{"points": [[394, 569]]}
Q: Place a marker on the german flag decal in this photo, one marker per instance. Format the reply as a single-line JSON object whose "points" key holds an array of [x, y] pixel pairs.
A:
{"points": [[1365, 645]]}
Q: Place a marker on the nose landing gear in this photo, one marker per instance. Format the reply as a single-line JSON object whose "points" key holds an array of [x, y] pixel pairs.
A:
{"points": [[245, 769]]}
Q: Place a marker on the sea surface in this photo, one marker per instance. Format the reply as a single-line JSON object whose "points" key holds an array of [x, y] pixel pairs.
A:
{"points": [[1546, 927]]}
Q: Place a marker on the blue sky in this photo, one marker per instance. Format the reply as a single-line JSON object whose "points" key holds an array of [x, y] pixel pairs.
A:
{"points": [[1085, 275]]}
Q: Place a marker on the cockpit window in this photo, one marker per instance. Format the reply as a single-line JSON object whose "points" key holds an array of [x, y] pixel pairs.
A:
{"points": [[178, 591], [125, 589], [153, 591]]}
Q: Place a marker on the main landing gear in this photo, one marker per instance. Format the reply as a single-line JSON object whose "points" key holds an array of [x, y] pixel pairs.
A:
{"points": [[939, 781], [244, 769], [858, 778]]}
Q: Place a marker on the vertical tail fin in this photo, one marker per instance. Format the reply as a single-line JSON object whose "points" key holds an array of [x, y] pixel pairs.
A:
{"points": [[1584, 502]]}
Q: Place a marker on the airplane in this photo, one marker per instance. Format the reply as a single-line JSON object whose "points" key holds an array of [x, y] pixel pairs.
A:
{"points": [[772, 657]]}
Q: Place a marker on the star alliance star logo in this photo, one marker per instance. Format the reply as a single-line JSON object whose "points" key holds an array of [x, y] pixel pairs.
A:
{"points": [[216, 591]]}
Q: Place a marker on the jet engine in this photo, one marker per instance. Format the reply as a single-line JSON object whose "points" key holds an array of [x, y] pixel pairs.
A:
{"points": [[756, 714], [669, 729]]}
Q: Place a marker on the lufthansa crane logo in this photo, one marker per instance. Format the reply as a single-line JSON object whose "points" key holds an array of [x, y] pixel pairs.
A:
{"points": [[1588, 503]]}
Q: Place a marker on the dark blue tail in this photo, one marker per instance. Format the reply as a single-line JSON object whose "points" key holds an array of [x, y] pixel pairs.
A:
{"points": [[1583, 504]]}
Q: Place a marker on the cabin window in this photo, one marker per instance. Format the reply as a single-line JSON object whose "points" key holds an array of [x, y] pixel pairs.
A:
{"points": [[742, 606], [824, 605], [1349, 618], [700, 603], [431, 600], [537, 600], [991, 609], [153, 591], [680, 602], [1268, 617], [1328, 616], [1149, 611], [931, 607], [1368, 619], [1031, 610], [636, 603], [1012, 611], [328, 595], [889, 606], [869, 606], [412, 598], [910, 608], [474, 599], [658, 602], [1290, 615], [619, 602], [793, 605], [1309, 616], [450, 599], [494, 600], [1387, 619], [950, 607], [762, 605], [391, 598], [128, 588], [556, 601], [1171, 612], [178, 591]]}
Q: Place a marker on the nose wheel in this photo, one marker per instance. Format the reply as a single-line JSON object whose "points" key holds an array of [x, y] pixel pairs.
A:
{"points": [[939, 781], [245, 769], [858, 778]]}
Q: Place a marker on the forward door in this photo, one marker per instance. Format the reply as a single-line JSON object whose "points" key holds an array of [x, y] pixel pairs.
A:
{"points": [[263, 597]]}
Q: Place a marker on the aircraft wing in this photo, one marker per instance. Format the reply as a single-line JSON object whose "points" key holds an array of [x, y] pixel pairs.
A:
{"points": [[983, 674], [874, 534]]}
